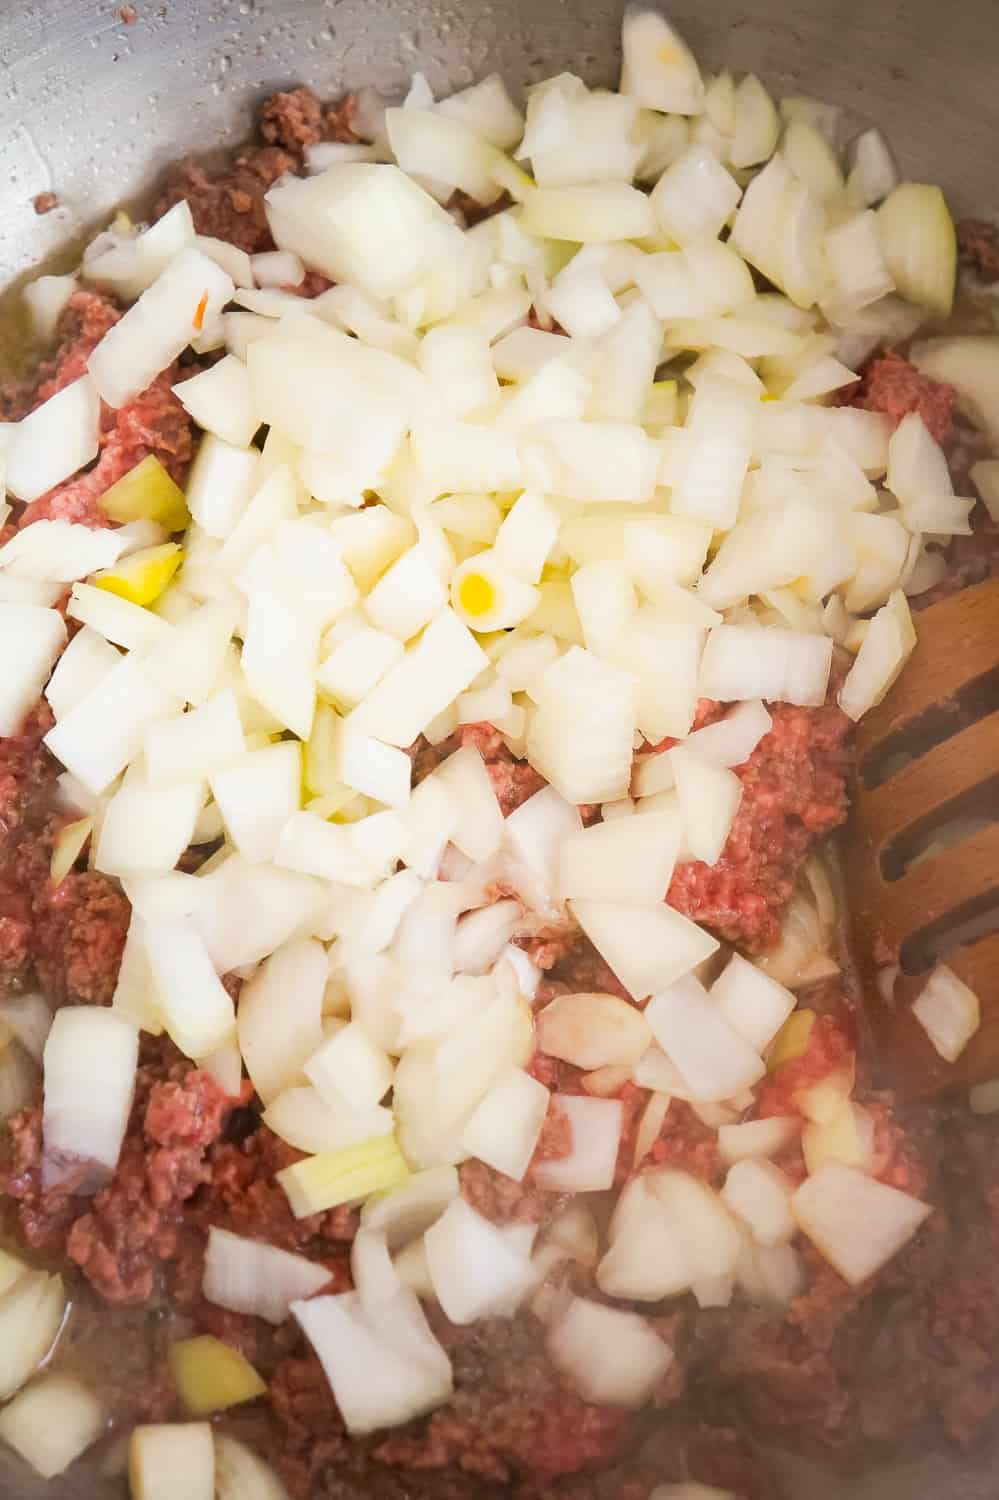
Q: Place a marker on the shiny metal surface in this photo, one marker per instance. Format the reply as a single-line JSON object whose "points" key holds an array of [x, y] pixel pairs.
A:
{"points": [[92, 108]]}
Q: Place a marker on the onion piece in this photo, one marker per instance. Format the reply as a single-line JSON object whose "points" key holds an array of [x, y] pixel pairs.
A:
{"points": [[742, 661], [196, 1010], [948, 1011], [646, 1259], [486, 108], [633, 1358], [84, 1126], [858, 1224], [69, 845], [258, 795], [648, 948], [658, 68], [279, 1019], [475, 1270], [84, 663], [163, 1455], [210, 1376], [158, 327], [332, 220], [242, 1475], [301, 1117], [709, 797], [428, 143], [752, 1003], [756, 1138], [848, 1138], [592, 1030], [731, 741], [32, 1313], [383, 1363], [32, 639], [756, 126], [54, 440], [405, 1212], [715, 1061], [51, 1423], [145, 828], [322, 1182], [759, 1194], [348, 1066], [580, 738], [920, 245], [629, 861], [221, 402], [432, 673], [595, 1126], [249, 1277], [593, 213], [874, 166], [60, 551], [196, 744], [887, 645]]}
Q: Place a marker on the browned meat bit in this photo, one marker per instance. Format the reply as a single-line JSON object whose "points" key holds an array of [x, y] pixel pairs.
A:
{"points": [[292, 120], [978, 244], [227, 201], [340, 121], [128, 14], [511, 1414], [44, 203]]}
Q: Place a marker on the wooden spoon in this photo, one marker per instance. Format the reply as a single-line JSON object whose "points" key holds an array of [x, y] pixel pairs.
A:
{"points": [[922, 866]]}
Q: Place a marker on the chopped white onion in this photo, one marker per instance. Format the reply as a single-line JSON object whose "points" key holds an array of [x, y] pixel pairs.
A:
{"points": [[858, 1224], [752, 1003], [54, 440], [648, 948], [592, 1030], [383, 1363], [715, 1061], [89, 1064], [248, 1276], [595, 1126], [475, 1270], [948, 1011]]}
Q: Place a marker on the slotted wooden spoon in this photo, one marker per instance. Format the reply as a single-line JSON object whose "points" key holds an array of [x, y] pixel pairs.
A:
{"points": [[922, 854]]}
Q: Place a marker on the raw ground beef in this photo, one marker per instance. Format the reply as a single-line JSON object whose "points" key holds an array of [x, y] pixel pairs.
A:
{"points": [[793, 792], [121, 1237], [978, 244], [891, 385], [513, 780], [227, 196], [154, 422]]}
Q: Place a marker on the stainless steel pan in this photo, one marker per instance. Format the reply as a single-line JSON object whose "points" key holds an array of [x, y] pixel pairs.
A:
{"points": [[92, 109]]}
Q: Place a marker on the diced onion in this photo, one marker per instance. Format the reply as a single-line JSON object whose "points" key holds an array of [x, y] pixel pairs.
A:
{"points": [[89, 1062], [279, 1019], [164, 1455], [920, 245], [595, 1125], [52, 1422], [759, 1194], [948, 1011], [715, 1061], [383, 1363], [648, 948], [475, 1270], [242, 1475], [32, 1311], [658, 68], [592, 1031], [858, 1224]]}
